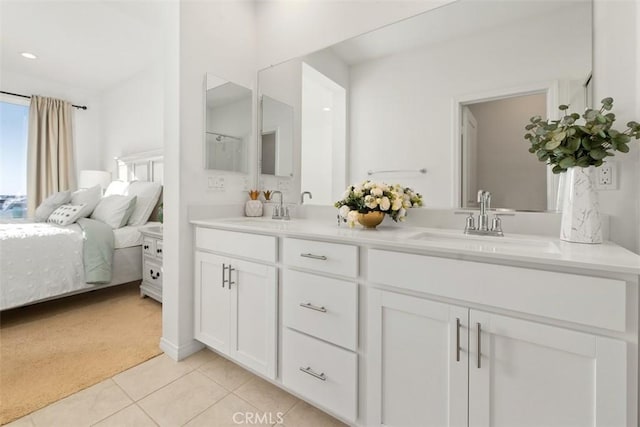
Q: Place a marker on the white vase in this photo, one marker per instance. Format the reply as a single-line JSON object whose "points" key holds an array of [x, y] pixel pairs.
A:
{"points": [[580, 208], [253, 208]]}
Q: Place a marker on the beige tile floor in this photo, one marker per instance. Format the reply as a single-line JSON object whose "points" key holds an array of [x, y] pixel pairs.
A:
{"points": [[204, 390]]}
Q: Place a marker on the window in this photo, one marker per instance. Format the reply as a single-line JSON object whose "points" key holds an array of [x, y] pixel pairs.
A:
{"points": [[14, 119]]}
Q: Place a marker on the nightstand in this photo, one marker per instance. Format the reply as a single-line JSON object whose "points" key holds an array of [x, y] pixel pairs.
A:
{"points": [[151, 262]]}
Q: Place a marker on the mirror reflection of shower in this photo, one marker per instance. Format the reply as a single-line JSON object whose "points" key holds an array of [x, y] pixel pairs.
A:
{"points": [[228, 124]]}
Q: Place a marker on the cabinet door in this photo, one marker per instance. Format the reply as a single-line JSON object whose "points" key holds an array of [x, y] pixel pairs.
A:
{"points": [[254, 316], [417, 362], [529, 374], [211, 302]]}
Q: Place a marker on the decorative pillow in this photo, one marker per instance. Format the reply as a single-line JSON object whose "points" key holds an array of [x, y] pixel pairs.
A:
{"points": [[89, 197], [51, 203], [117, 188], [66, 214], [114, 210], [147, 194]]}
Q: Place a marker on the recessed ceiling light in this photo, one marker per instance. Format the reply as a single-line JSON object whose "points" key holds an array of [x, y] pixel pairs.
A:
{"points": [[29, 55], [326, 109]]}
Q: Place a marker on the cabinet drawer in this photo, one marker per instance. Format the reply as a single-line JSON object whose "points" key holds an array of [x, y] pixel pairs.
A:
{"points": [[152, 272], [321, 372], [331, 258], [158, 251], [148, 246], [322, 307], [592, 301], [246, 245]]}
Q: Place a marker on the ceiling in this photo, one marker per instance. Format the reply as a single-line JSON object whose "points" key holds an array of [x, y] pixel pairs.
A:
{"points": [[88, 44], [453, 21]]}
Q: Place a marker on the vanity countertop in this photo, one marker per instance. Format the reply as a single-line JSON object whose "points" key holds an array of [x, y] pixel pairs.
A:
{"points": [[540, 250]]}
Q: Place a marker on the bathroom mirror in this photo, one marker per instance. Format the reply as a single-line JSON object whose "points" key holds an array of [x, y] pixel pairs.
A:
{"points": [[276, 137], [414, 88], [228, 120]]}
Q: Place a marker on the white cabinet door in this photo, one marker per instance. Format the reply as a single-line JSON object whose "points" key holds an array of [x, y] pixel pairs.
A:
{"points": [[418, 362], [212, 305], [529, 374], [253, 315]]}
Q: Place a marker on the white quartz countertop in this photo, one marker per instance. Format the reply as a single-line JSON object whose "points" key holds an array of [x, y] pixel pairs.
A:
{"points": [[539, 250]]}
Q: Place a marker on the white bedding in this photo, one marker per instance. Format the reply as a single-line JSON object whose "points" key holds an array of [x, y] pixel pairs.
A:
{"points": [[129, 236], [39, 260]]}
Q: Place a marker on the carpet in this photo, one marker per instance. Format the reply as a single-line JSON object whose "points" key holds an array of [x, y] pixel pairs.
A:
{"points": [[56, 348]]}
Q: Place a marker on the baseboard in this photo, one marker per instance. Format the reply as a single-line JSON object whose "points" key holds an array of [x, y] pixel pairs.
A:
{"points": [[180, 352]]}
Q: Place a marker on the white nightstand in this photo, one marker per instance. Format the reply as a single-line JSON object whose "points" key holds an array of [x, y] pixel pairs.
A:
{"points": [[151, 262]]}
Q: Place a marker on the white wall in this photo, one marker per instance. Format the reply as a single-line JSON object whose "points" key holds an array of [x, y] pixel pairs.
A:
{"points": [[401, 105], [87, 123], [219, 38], [616, 74], [132, 116]]}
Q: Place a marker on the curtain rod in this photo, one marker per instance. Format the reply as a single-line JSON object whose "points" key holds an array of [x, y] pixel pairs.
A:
{"points": [[81, 107]]}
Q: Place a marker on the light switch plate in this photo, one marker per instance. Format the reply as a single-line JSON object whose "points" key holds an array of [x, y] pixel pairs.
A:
{"points": [[215, 183]]}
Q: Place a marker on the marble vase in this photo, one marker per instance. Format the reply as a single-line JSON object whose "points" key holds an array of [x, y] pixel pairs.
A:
{"points": [[253, 208], [580, 208]]}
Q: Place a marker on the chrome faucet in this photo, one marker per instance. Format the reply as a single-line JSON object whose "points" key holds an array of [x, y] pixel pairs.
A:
{"points": [[484, 199], [277, 209], [308, 193]]}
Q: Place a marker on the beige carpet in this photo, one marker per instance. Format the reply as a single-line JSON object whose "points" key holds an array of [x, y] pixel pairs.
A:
{"points": [[53, 349]]}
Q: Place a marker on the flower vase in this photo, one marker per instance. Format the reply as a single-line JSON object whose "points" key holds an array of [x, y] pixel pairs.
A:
{"points": [[580, 208], [253, 208], [371, 220]]}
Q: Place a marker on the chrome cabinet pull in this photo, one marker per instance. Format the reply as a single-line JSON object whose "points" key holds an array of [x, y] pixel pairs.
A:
{"points": [[313, 307], [229, 282], [312, 256], [479, 344], [457, 339], [314, 374], [224, 268]]}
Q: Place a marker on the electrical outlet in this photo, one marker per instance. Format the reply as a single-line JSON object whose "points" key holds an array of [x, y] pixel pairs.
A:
{"points": [[606, 177], [283, 185], [215, 183]]}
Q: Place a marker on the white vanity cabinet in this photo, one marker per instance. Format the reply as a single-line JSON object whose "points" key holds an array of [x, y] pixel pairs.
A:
{"points": [[236, 300], [418, 356], [320, 324], [432, 363]]}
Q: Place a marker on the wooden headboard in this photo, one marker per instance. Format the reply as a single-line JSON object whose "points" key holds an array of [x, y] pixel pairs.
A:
{"points": [[146, 166]]}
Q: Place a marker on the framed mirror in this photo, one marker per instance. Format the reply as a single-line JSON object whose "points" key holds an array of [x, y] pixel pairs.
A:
{"points": [[228, 120], [414, 88]]}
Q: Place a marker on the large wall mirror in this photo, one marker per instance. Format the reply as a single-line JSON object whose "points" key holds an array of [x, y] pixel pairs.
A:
{"points": [[451, 99], [228, 120]]}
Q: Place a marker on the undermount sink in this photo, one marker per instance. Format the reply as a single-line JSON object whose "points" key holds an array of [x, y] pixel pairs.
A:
{"points": [[489, 243]]}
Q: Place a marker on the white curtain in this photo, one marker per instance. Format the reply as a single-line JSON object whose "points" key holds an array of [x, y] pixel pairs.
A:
{"points": [[50, 158]]}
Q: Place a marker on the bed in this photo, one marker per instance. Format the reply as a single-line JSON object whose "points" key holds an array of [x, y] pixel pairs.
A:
{"points": [[42, 261]]}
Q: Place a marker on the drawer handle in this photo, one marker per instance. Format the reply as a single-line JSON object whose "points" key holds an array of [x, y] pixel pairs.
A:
{"points": [[457, 339], [154, 277], [159, 251], [146, 246], [313, 307], [312, 256], [314, 374], [479, 343]]}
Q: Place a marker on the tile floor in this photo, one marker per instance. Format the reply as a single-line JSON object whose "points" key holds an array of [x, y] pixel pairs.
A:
{"points": [[202, 390]]}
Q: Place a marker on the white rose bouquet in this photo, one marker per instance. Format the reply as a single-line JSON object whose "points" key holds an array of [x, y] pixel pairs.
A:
{"points": [[370, 196]]}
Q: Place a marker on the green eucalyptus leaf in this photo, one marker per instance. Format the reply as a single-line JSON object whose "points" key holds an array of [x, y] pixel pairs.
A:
{"points": [[552, 145], [590, 114], [567, 162], [623, 148], [598, 154], [563, 107], [557, 169], [583, 161]]}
